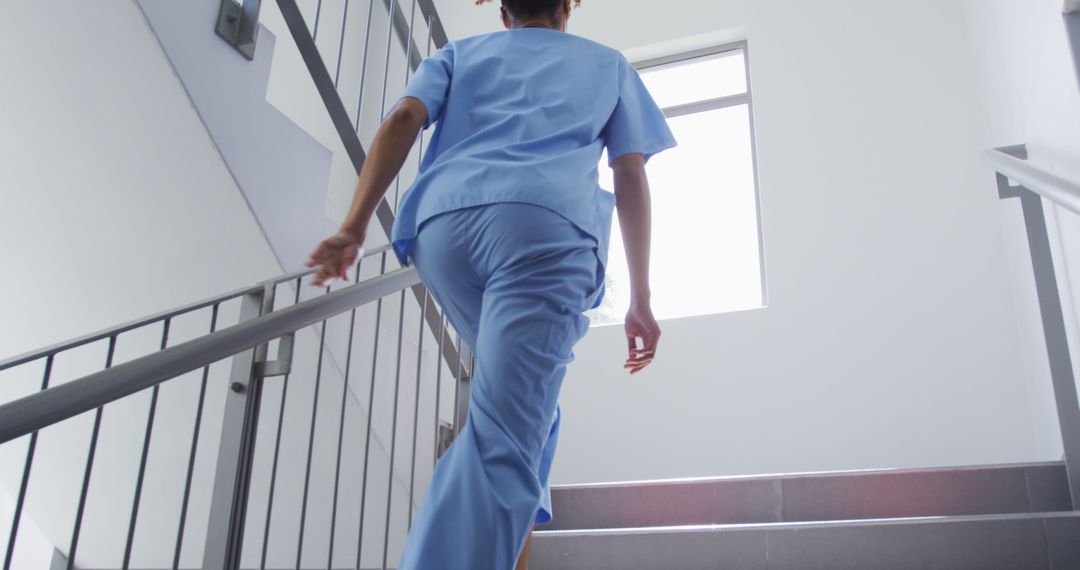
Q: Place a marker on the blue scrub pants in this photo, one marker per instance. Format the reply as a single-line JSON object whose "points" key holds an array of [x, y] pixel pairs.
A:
{"points": [[514, 280]]}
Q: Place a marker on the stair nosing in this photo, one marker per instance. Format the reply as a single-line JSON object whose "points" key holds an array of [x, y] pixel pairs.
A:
{"points": [[673, 529], [805, 474]]}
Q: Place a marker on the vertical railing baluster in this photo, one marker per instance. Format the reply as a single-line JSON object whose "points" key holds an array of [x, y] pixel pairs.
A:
{"points": [[468, 386], [393, 431], [370, 414], [194, 447], [341, 425], [341, 43], [409, 45], [416, 405], [430, 21], [386, 63], [277, 449], [25, 481], [438, 385], [73, 548], [363, 64], [318, 14], [420, 135], [311, 444], [386, 78], [145, 452], [408, 68], [457, 387]]}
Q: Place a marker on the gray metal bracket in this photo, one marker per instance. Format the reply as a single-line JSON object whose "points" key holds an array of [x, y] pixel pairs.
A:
{"points": [[238, 24], [1005, 188], [283, 364]]}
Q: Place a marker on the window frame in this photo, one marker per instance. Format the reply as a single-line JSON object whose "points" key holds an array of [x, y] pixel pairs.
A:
{"points": [[684, 57]]}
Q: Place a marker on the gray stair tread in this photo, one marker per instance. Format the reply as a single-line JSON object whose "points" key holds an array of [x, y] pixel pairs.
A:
{"points": [[983, 542], [808, 524], [864, 494]]}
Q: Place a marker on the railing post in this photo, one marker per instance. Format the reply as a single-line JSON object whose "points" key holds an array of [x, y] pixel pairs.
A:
{"points": [[228, 507], [464, 385], [1053, 321]]}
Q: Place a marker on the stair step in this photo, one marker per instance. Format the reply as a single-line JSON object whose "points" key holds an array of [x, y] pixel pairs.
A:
{"points": [[1028, 541], [846, 495]]}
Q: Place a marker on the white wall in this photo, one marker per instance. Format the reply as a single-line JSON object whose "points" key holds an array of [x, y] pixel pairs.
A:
{"points": [[116, 205], [890, 335], [1027, 74]]}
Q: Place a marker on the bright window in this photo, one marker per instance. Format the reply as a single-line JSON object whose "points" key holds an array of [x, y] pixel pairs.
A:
{"points": [[706, 253]]}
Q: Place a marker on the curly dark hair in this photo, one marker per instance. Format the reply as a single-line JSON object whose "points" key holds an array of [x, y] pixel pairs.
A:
{"points": [[534, 8]]}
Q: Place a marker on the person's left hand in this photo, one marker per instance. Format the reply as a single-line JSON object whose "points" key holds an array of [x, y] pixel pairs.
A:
{"points": [[334, 256]]}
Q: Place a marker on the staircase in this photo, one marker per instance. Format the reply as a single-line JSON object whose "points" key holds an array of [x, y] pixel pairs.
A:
{"points": [[984, 517]]}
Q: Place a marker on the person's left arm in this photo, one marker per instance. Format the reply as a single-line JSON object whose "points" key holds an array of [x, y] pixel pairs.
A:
{"points": [[390, 148]]}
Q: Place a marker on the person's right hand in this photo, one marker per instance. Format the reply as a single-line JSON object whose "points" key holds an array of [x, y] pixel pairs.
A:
{"points": [[641, 324], [334, 256]]}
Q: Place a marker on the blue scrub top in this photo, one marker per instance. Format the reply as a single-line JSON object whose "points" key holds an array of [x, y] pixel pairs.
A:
{"points": [[523, 115]]}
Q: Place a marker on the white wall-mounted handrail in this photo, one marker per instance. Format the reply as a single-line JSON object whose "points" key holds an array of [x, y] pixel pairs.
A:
{"points": [[1052, 187]]}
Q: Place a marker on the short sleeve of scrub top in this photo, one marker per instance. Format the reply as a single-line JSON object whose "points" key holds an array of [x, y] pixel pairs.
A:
{"points": [[431, 82], [637, 124]]}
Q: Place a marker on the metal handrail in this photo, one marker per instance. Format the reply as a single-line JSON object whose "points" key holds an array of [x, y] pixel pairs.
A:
{"points": [[1019, 179], [158, 317], [1065, 193], [47, 407]]}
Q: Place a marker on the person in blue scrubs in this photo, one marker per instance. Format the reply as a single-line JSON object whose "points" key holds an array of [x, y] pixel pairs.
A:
{"points": [[508, 228]]}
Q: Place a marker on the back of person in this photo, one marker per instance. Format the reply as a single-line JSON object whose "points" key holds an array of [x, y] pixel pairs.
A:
{"points": [[524, 115], [528, 106]]}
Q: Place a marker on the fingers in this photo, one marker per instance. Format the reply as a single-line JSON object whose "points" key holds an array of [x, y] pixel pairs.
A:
{"points": [[320, 278], [333, 257], [326, 273], [650, 342], [635, 367], [639, 358]]}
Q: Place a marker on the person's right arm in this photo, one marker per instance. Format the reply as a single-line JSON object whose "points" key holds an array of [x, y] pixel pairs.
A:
{"points": [[632, 202]]}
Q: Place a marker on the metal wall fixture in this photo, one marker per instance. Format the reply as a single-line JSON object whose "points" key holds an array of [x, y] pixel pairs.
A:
{"points": [[238, 24]]}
